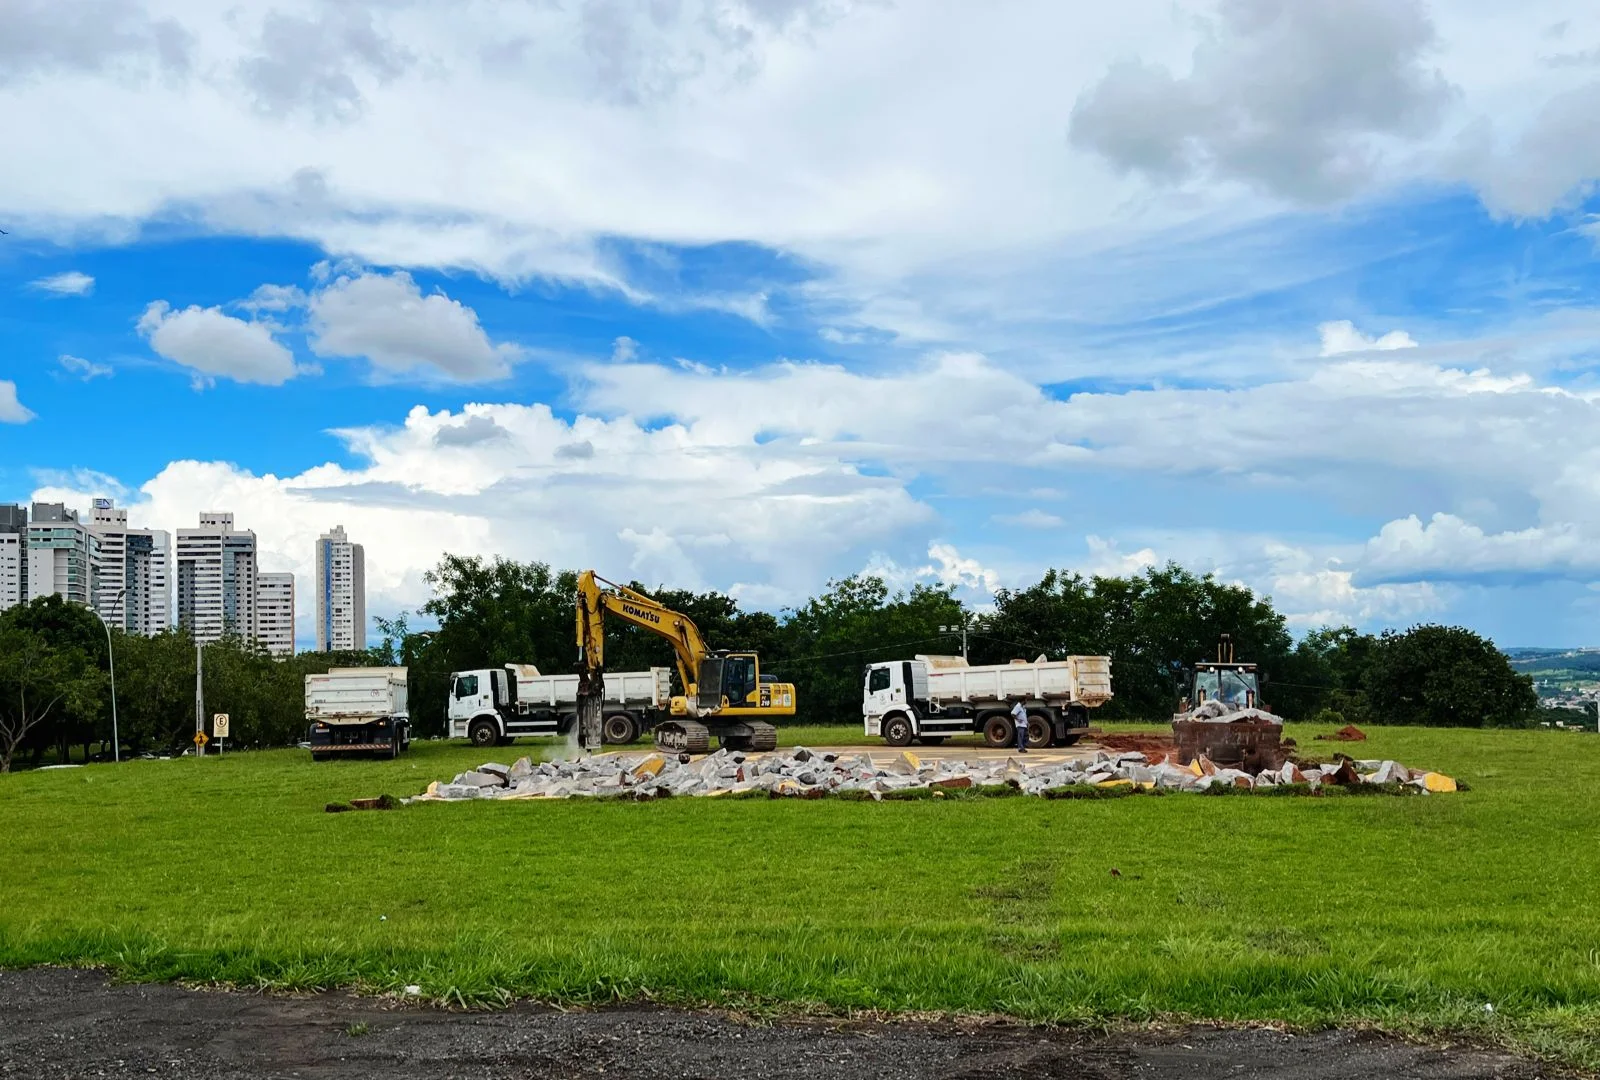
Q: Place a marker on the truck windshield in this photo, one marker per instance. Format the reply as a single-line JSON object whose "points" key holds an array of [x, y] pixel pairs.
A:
{"points": [[466, 686]]}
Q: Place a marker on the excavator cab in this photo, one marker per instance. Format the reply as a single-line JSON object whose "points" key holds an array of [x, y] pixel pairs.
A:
{"points": [[730, 677]]}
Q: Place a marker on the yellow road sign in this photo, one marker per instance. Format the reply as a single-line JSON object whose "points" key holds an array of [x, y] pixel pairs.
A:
{"points": [[200, 738]]}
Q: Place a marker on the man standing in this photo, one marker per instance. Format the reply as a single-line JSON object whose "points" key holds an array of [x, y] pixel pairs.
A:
{"points": [[1019, 718]]}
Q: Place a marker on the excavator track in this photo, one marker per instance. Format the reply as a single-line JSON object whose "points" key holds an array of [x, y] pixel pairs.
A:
{"points": [[752, 735], [763, 736], [685, 736]]}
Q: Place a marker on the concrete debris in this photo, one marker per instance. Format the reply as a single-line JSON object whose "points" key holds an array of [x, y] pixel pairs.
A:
{"points": [[803, 773]]}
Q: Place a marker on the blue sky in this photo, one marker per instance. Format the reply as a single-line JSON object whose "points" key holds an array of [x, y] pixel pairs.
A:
{"points": [[704, 300]]}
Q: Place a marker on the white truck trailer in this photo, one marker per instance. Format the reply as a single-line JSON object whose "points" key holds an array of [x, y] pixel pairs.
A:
{"points": [[358, 711], [931, 698], [492, 706]]}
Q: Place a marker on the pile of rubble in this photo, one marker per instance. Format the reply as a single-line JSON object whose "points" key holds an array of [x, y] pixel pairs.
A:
{"points": [[803, 773]]}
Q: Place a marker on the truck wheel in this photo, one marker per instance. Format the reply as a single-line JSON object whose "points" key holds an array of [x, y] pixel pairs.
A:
{"points": [[1040, 732], [999, 732], [619, 728], [483, 734], [897, 730]]}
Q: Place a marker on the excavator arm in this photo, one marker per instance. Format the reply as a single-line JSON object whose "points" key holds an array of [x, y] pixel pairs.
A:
{"points": [[597, 598], [637, 609]]}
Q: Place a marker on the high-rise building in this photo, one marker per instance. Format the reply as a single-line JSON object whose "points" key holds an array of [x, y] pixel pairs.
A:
{"points": [[340, 576], [217, 579], [13, 555], [275, 614], [61, 554], [132, 583]]}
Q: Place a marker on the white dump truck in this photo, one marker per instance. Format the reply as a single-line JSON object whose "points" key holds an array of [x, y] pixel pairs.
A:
{"points": [[931, 698], [492, 706], [358, 711]]}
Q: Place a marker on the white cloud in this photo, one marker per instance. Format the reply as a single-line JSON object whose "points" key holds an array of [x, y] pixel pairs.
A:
{"points": [[1343, 337], [12, 411], [1032, 518], [214, 344], [950, 567], [1107, 559], [387, 319], [83, 369], [67, 283], [1296, 98], [1448, 548], [39, 37]]}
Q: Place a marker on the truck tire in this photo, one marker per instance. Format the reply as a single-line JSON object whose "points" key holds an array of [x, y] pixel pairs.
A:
{"points": [[483, 734], [999, 731], [1041, 733], [619, 728], [897, 729]]}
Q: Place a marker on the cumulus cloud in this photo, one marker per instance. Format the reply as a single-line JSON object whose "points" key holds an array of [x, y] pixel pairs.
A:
{"points": [[387, 319], [83, 369], [1343, 337], [12, 411], [216, 345], [1448, 548], [68, 283], [1295, 98]]}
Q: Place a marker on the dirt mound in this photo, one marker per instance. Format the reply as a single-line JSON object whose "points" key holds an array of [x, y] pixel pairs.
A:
{"points": [[1348, 733], [1144, 742]]}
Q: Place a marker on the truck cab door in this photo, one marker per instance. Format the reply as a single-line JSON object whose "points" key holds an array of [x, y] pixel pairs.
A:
{"points": [[880, 690]]}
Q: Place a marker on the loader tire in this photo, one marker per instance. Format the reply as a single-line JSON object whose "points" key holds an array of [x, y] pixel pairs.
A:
{"points": [[998, 731], [897, 730]]}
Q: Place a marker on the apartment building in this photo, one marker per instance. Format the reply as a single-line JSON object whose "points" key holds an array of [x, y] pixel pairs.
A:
{"points": [[275, 613], [132, 577], [61, 554], [218, 580], [340, 576], [13, 555]]}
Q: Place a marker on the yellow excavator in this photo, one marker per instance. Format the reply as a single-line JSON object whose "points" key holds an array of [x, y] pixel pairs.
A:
{"points": [[725, 693]]}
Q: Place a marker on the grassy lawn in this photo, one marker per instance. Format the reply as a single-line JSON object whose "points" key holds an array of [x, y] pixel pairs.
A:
{"points": [[1409, 912]]}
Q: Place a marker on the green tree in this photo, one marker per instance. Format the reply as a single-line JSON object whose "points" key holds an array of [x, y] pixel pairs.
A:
{"points": [[40, 683], [1446, 676]]}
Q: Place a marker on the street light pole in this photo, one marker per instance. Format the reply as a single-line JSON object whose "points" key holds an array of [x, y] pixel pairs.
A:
{"points": [[963, 629], [111, 659]]}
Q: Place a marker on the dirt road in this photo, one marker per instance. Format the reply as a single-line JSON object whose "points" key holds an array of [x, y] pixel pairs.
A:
{"points": [[59, 1024]]}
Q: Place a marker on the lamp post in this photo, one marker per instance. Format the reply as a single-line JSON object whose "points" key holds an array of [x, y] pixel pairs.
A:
{"points": [[965, 622], [111, 659]]}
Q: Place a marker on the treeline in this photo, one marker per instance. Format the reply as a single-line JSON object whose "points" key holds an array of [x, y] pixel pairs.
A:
{"points": [[54, 675]]}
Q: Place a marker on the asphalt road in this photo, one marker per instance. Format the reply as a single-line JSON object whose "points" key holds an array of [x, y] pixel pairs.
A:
{"points": [[59, 1024]]}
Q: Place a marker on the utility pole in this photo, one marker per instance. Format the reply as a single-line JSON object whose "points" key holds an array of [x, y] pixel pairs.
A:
{"points": [[199, 699]]}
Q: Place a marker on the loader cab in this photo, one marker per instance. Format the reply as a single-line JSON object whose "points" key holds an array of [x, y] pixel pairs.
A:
{"points": [[1236, 685]]}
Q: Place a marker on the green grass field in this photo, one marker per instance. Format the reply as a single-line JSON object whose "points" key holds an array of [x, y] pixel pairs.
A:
{"points": [[1413, 913]]}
